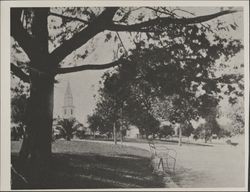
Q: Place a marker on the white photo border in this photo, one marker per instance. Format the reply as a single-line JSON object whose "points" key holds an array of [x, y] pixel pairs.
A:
{"points": [[5, 77]]}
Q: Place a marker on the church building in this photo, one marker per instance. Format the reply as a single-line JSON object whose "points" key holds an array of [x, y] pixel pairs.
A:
{"points": [[68, 107]]}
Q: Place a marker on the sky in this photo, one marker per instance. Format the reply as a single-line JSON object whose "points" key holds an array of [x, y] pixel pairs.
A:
{"points": [[85, 84]]}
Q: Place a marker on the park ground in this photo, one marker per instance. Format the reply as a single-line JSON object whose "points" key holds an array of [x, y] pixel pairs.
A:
{"points": [[101, 164]]}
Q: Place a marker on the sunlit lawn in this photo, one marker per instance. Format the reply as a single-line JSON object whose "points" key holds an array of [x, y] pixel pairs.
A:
{"points": [[86, 164], [82, 164]]}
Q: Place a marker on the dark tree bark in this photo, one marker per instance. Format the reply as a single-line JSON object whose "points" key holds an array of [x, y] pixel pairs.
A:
{"points": [[19, 73], [40, 125], [36, 147], [35, 152]]}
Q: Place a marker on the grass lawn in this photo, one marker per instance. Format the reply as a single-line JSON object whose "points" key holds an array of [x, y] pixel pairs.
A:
{"points": [[207, 166], [82, 164]]}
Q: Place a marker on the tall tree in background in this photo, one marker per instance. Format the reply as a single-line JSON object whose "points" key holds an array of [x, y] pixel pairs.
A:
{"points": [[95, 123], [35, 30]]}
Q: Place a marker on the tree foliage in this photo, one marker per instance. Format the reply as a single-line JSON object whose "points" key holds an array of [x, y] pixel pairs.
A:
{"points": [[18, 108], [67, 128], [166, 130], [181, 68]]}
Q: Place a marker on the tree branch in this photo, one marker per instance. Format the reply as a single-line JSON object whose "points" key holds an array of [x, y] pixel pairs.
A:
{"points": [[150, 26], [69, 18], [99, 24], [226, 78], [121, 42], [182, 10], [20, 34], [159, 11], [90, 67], [19, 73]]}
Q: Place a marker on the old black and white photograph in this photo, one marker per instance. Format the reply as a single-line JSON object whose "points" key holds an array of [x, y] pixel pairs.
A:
{"points": [[150, 96]]}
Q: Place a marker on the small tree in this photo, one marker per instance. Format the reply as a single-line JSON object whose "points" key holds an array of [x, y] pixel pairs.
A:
{"points": [[188, 130], [18, 114], [80, 133], [199, 132], [166, 130], [95, 123], [68, 128]]}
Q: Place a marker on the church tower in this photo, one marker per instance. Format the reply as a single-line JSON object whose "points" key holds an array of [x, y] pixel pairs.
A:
{"points": [[68, 108]]}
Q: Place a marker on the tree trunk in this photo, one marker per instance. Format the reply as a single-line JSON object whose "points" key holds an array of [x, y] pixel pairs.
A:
{"points": [[68, 138], [37, 141], [121, 135], [180, 136], [36, 146], [205, 136], [115, 133], [35, 152]]}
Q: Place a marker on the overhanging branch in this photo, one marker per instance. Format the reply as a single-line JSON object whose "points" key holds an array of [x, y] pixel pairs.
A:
{"points": [[226, 78], [90, 67], [69, 18], [149, 26], [20, 34], [96, 26], [161, 12], [19, 73]]}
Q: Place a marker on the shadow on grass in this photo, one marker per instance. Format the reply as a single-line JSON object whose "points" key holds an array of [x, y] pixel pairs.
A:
{"points": [[91, 170]]}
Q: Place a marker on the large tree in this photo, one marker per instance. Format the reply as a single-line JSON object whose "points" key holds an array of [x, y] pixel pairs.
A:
{"points": [[180, 70], [36, 32]]}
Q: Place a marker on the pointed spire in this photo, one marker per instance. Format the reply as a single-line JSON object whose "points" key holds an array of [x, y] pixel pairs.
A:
{"points": [[68, 92], [68, 108], [68, 97]]}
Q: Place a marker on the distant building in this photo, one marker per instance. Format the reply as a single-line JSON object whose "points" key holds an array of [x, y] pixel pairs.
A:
{"points": [[132, 132], [68, 107]]}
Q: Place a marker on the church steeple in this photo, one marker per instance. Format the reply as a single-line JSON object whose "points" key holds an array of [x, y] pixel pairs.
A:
{"points": [[68, 108]]}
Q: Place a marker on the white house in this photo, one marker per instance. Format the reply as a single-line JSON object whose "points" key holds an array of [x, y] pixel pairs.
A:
{"points": [[132, 132]]}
